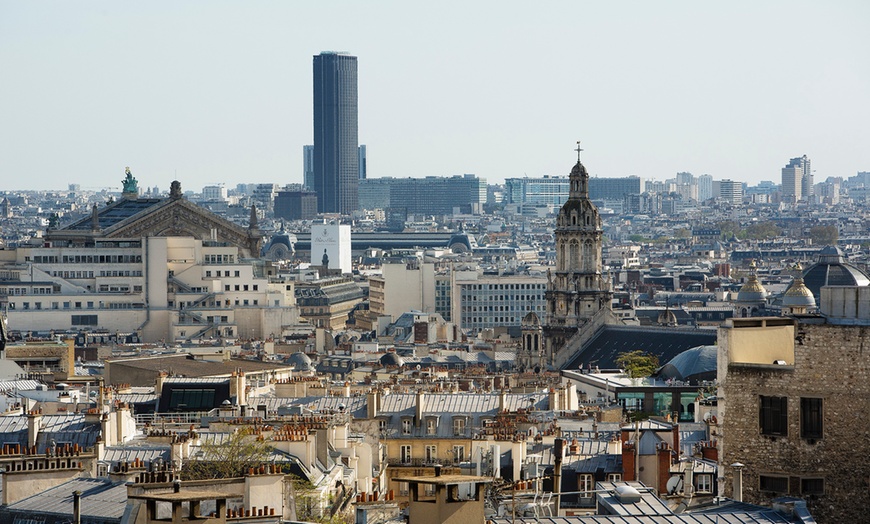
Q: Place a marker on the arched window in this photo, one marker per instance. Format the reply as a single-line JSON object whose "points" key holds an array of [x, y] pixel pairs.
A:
{"points": [[587, 256], [575, 254]]}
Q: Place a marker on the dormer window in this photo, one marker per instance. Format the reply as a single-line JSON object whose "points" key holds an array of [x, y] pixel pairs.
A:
{"points": [[458, 426], [431, 426], [406, 426]]}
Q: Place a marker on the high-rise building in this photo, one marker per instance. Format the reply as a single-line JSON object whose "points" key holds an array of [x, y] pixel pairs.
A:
{"points": [[336, 142], [731, 191], [797, 180], [295, 205], [615, 188], [705, 188], [308, 168]]}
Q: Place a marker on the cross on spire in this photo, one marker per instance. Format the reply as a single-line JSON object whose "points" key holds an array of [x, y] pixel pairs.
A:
{"points": [[579, 149]]}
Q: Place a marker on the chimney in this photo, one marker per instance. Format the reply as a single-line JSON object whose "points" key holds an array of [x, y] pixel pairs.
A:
{"points": [[421, 407], [628, 461], [553, 400], [33, 420], [664, 467], [676, 433], [373, 401], [738, 482], [77, 507], [502, 401]]}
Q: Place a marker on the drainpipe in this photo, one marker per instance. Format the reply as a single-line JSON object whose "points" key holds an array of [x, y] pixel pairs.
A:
{"points": [[738, 482], [558, 446]]}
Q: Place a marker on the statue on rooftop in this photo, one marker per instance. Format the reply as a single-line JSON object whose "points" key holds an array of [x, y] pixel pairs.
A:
{"points": [[131, 185]]}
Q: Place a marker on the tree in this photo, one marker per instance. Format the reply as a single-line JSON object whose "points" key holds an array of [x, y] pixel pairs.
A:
{"points": [[763, 230], [229, 457], [637, 364], [824, 235]]}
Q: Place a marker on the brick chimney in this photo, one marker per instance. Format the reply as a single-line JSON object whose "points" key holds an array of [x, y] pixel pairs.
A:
{"points": [[663, 453], [629, 461]]}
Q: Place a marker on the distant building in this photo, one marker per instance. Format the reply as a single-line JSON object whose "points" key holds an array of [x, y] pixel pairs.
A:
{"points": [[705, 188], [731, 191], [430, 196], [797, 179], [336, 142], [296, 205], [615, 188], [215, 193], [403, 286], [546, 190], [362, 162]]}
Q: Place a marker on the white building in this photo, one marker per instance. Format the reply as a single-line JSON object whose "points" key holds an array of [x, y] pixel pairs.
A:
{"points": [[333, 241]]}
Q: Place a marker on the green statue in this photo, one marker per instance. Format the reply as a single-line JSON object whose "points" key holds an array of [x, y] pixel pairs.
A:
{"points": [[131, 185]]}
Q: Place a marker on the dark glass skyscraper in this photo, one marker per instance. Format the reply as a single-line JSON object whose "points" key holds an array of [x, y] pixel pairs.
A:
{"points": [[336, 153]]}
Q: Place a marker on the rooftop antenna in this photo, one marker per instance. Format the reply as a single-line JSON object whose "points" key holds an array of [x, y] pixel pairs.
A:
{"points": [[579, 150]]}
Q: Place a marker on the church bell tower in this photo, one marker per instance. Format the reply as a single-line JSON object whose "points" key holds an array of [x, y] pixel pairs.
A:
{"points": [[577, 290]]}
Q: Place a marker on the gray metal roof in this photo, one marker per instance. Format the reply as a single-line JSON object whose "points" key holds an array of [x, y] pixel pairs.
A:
{"points": [[101, 499]]}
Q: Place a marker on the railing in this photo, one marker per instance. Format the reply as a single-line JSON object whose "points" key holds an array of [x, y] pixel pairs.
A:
{"points": [[158, 419]]}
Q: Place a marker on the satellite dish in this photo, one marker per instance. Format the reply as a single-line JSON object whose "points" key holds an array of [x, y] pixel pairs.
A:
{"points": [[418, 367], [707, 416], [674, 485]]}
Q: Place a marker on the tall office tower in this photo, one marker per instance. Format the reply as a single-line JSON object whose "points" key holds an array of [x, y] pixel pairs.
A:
{"points": [[731, 191], [792, 181], [705, 188], [362, 162], [806, 176], [336, 144], [308, 168]]}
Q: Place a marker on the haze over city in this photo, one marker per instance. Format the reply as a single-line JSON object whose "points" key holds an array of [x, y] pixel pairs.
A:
{"points": [[220, 92]]}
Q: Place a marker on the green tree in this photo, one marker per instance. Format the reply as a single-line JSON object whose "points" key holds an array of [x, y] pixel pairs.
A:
{"points": [[824, 235], [682, 233], [637, 364], [763, 230], [227, 457]]}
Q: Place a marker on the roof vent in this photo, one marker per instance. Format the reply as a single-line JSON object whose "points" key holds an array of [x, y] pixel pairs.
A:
{"points": [[627, 494]]}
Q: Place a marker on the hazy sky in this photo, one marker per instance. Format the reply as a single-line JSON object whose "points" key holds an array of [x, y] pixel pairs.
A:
{"points": [[211, 91]]}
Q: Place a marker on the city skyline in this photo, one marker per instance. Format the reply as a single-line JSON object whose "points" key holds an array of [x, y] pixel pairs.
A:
{"points": [[221, 92]]}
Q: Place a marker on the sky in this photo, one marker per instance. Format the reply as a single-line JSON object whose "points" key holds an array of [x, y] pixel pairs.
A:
{"points": [[209, 92]]}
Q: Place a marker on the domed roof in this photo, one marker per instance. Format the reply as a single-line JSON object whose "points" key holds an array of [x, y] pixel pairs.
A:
{"points": [[459, 242], [798, 294], [391, 359], [300, 362], [752, 290], [280, 244], [695, 364], [667, 318], [531, 319], [833, 270]]}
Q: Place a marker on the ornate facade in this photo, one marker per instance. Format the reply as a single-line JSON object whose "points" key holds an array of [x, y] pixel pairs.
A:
{"points": [[578, 290]]}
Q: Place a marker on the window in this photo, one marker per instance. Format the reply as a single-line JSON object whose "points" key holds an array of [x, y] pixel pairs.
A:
{"points": [[236, 273], [704, 483], [403, 489], [431, 426], [812, 486], [773, 418], [459, 426], [207, 274], [405, 454], [614, 477], [431, 454], [585, 482], [458, 454], [776, 484], [811, 418], [406, 426], [382, 425]]}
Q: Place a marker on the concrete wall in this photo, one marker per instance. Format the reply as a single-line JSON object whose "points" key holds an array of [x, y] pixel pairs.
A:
{"points": [[831, 363]]}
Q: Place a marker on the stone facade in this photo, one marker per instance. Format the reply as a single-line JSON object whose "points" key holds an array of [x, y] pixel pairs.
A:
{"points": [[829, 363]]}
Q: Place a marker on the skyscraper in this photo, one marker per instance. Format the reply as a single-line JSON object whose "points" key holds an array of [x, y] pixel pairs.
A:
{"points": [[336, 143], [797, 180]]}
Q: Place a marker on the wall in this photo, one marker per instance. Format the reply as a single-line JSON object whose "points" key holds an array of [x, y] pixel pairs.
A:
{"points": [[830, 362]]}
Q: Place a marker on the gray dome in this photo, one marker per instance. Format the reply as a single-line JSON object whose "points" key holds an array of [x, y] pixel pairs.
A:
{"points": [[300, 361], [391, 359], [693, 365], [281, 245], [459, 242], [833, 270]]}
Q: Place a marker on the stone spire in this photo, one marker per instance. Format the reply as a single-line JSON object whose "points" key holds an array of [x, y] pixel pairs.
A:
{"points": [[252, 223]]}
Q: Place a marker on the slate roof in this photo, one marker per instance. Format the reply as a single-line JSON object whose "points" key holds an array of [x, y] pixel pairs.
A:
{"points": [[180, 364], [665, 343], [117, 454], [114, 213], [101, 500]]}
